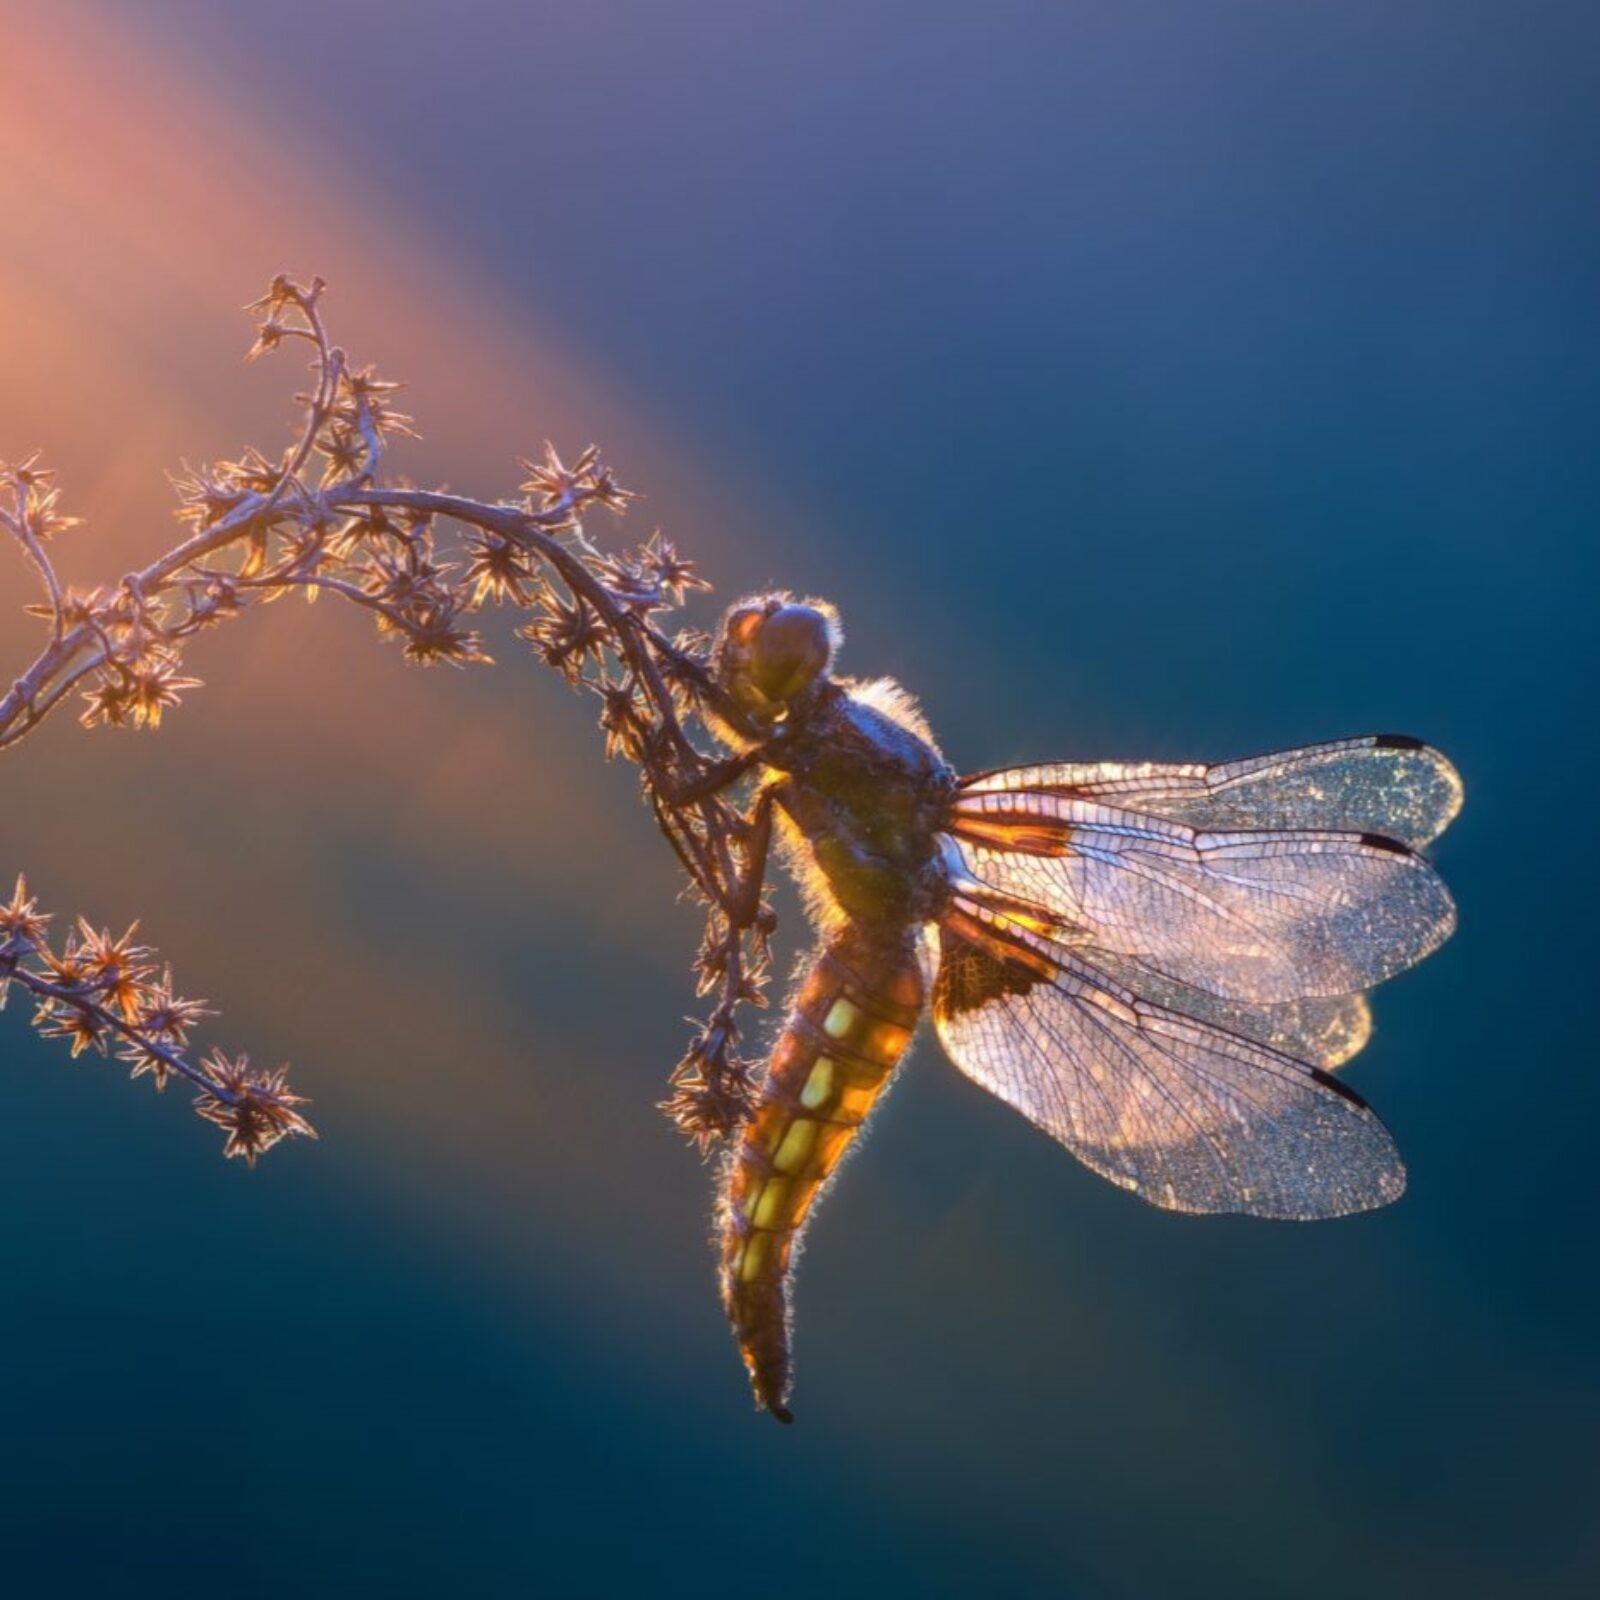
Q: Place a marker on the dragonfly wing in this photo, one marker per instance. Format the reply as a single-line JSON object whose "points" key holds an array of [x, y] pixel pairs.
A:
{"points": [[1256, 916], [1325, 1031], [1386, 783], [1186, 1115]]}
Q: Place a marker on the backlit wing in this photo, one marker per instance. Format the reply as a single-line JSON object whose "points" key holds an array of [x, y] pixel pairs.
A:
{"points": [[1325, 1031], [1388, 784], [1260, 916], [1185, 1114]]}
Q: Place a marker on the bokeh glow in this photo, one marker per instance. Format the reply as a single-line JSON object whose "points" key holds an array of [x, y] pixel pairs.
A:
{"points": [[1142, 380]]}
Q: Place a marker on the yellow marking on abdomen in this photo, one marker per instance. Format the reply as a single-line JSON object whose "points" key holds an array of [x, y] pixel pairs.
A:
{"points": [[769, 1210], [819, 1086], [798, 1139], [841, 1019], [850, 1025]]}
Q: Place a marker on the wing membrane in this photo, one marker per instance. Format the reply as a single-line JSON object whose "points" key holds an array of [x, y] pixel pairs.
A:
{"points": [[1386, 783], [1258, 917], [1323, 1032], [1186, 1115]]}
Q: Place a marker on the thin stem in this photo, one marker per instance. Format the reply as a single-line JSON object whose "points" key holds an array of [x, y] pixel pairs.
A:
{"points": [[264, 529], [43, 989]]}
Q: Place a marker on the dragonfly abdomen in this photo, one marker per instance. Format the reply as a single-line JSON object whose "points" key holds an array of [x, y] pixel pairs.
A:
{"points": [[851, 1023]]}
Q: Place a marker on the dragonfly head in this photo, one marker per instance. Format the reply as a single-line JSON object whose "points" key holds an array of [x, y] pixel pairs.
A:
{"points": [[771, 651]]}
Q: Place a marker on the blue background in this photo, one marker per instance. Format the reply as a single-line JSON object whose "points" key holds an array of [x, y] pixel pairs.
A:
{"points": [[1143, 380]]}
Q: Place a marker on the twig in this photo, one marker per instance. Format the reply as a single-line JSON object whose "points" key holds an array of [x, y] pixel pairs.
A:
{"points": [[320, 518]]}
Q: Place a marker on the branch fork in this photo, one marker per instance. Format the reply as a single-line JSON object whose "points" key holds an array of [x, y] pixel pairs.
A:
{"points": [[322, 518]]}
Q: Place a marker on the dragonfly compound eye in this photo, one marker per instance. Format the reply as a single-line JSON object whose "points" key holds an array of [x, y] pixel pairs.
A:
{"points": [[770, 650], [789, 650]]}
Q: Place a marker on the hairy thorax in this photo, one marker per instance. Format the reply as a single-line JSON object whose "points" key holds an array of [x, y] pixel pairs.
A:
{"points": [[863, 791]]}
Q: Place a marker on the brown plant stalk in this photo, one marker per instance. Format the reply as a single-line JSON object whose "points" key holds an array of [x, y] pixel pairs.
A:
{"points": [[322, 519]]}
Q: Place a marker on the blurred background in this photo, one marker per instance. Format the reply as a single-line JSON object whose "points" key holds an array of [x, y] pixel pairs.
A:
{"points": [[1143, 379]]}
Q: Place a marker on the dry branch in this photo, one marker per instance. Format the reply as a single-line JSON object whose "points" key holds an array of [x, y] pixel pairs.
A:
{"points": [[322, 519]]}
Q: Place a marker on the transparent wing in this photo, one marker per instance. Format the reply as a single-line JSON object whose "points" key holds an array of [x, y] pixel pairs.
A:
{"points": [[1386, 783], [1323, 1031], [1260, 917], [1186, 1115]]}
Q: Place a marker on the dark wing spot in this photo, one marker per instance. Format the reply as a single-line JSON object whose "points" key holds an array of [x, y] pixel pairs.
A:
{"points": [[1339, 1087], [970, 977], [1378, 842], [1395, 741]]}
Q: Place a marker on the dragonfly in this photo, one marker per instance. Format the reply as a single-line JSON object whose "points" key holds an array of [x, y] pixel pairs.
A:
{"points": [[1159, 964]]}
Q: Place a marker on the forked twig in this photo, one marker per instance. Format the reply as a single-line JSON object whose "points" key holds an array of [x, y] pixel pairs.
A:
{"points": [[321, 518]]}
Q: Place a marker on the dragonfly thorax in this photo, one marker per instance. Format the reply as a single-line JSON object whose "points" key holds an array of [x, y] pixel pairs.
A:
{"points": [[851, 767], [866, 794]]}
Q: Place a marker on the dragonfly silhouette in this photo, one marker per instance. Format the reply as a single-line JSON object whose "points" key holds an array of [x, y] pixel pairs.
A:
{"points": [[1156, 963]]}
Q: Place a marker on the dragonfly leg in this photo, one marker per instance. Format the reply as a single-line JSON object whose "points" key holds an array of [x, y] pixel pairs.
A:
{"points": [[716, 777], [745, 904]]}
